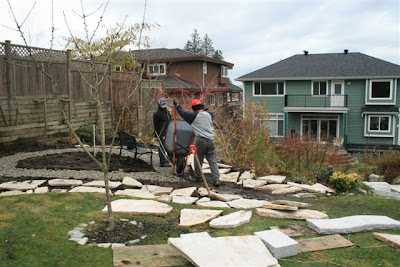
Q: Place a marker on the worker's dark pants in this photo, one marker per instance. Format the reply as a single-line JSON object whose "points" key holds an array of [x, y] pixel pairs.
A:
{"points": [[206, 148]]}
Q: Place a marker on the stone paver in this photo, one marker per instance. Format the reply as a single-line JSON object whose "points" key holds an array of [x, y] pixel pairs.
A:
{"points": [[203, 199], [111, 184], [244, 203], [87, 189], [308, 188], [134, 206], [301, 214], [353, 224], [11, 193], [225, 197], [65, 182], [305, 195], [232, 220], [130, 182], [224, 251], [201, 234], [279, 207], [250, 183], [323, 243], [135, 193], [292, 203], [324, 189], [41, 190], [163, 191], [287, 190], [221, 171], [391, 240], [295, 230], [203, 191], [167, 198], [272, 187], [184, 200], [22, 186], [150, 188], [213, 204], [273, 179], [247, 175], [279, 244], [191, 217], [59, 190], [185, 192], [229, 177]]}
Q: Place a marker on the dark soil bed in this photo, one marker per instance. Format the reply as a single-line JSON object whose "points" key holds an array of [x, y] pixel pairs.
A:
{"points": [[81, 161]]}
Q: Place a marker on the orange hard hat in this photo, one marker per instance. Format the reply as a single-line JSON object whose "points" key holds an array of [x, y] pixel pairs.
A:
{"points": [[196, 102]]}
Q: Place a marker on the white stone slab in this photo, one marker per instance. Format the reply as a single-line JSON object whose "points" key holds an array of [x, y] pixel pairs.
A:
{"points": [[395, 188], [134, 206], [221, 171], [11, 193], [301, 214], [184, 200], [279, 207], [273, 187], [220, 165], [22, 186], [87, 189], [199, 234], [244, 203], [213, 204], [185, 192], [287, 190], [203, 191], [279, 244], [41, 190], [135, 193], [111, 184], [324, 189], [307, 188], [247, 175], [392, 240], [203, 199], [225, 197], [232, 220], [273, 179], [292, 203], [58, 190], [167, 198], [353, 224], [163, 191], [305, 195], [250, 183], [224, 251], [191, 217], [65, 182], [130, 182], [229, 177], [150, 188], [380, 186]]}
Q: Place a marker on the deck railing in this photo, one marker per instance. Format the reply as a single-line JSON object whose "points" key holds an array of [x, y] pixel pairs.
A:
{"points": [[324, 101]]}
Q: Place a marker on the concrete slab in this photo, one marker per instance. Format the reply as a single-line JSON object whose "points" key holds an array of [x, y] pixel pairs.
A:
{"points": [[135, 193], [353, 224], [247, 175], [229, 177], [323, 243], [130, 182], [231, 220], [134, 206], [214, 204], [273, 179], [184, 200], [250, 183], [301, 214], [391, 240], [295, 230], [279, 244], [87, 189], [22, 186], [155, 255], [163, 191], [224, 251], [244, 203], [185, 192], [225, 197], [191, 217], [111, 184], [291, 203], [64, 182]]}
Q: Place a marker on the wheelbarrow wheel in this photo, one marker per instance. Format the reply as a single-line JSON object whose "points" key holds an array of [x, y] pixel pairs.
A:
{"points": [[180, 165]]}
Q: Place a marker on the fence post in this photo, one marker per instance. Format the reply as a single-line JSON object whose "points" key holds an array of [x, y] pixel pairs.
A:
{"points": [[111, 94], [69, 86], [9, 78]]}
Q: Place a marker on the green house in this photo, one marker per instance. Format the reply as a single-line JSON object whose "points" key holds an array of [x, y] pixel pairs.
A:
{"points": [[352, 98]]}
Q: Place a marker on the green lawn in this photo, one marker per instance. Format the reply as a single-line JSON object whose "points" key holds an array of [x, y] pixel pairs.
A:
{"points": [[33, 231]]}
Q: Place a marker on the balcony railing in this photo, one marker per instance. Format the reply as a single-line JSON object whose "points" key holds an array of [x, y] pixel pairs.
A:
{"points": [[323, 101]]}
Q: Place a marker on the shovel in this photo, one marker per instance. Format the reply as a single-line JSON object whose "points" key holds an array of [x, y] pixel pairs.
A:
{"points": [[193, 149]]}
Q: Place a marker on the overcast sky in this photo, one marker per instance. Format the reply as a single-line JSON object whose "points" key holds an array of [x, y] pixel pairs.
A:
{"points": [[251, 33]]}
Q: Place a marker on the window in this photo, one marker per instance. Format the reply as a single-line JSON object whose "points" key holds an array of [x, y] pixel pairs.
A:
{"points": [[157, 69], [224, 71], [319, 88], [274, 124], [205, 68], [211, 100], [220, 100], [117, 68], [268, 88], [379, 123], [380, 90]]}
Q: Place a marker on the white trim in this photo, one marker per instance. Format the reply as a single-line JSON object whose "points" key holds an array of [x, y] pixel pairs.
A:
{"points": [[376, 134], [326, 88], [317, 78], [159, 73], [319, 118], [366, 91], [276, 95], [379, 116], [222, 72], [316, 109], [371, 100], [276, 118]]}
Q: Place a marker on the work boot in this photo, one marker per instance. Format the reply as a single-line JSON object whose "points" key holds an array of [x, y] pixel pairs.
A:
{"points": [[216, 183], [165, 164]]}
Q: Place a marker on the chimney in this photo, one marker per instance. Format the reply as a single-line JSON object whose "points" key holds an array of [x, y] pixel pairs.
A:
{"points": [[305, 52], [346, 51]]}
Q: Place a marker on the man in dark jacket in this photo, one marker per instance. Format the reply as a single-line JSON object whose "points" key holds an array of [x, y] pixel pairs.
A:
{"points": [[161, 119], [201, 122]]}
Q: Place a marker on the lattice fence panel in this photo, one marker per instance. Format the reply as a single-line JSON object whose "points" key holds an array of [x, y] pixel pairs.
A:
{"points": [[2, 49], [39, 54], [88, 66]]}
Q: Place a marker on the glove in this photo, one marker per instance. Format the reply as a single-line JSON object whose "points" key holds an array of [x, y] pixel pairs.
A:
{"points": [[176, 102]]}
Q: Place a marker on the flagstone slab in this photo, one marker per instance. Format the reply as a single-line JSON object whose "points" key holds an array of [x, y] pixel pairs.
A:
{"points": [[395, 188], [224, 251], [150, 188], [214, 204], [167, 198], [391, 240], [111, 185], [203, 199], [130, 182], [323, 243], [305, 195], [221, 171], [324, 189], [203, 191], [191, 217], [292, 203], [232, 220], [41, 190], [288, 190], [59, 190], [135, 193], [294, 230], [163, 191], [11, 193], [220, 165], [154, 255], [201, 234], [380, 186], [272, 187], [87, 189], [184, 200], [247, 175], [244, 203], [229, 177], [279, 207], [185, 192], [135, 206], [250, 183], [301, 214], [273, 179], [353, 224], [65, 182], [308, 188], [22, 186], [279, 244], [225, 197]]}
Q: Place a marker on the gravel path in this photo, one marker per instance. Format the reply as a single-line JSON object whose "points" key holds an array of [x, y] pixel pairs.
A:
{"points": [[8, 168]]}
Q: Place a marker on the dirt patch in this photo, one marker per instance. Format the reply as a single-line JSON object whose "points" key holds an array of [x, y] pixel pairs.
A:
{"points": [[81, 161]]}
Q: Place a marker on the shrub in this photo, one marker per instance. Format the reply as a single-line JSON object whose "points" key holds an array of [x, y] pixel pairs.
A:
{"points": [[343, 182], [389, 165], [85, 133], [324, 175]]}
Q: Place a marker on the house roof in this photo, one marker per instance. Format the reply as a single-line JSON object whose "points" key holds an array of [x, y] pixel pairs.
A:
{"points": [[333, 65], [174, 54]]}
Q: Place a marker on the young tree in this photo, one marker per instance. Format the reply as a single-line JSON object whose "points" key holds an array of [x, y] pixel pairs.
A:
{"points": [[207, 48], [203, 46], [194, 45], [218, 55]]}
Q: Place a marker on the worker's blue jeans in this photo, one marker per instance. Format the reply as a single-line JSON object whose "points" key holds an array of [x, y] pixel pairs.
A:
{"points": [[206, 148]]}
